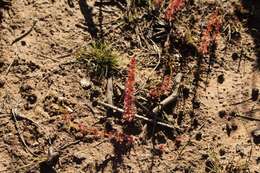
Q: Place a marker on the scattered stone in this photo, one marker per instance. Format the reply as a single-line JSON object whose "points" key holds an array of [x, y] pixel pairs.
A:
{"points": [[235, 56], [86, 84], [256, 136], [222, 152], [222, 114], [198, 136], [2, 83], [31, 98], [255, 94], [1, 63], [23, 43], [240, 150], [258, 160], [95, 92], [195, 104], [78, 158], [236, 36], [228, 129], [25, 88], [234, 126], [204, 156], [186, 92], [221, 79]]}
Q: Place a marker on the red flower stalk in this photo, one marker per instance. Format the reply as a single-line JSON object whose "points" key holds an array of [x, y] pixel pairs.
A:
{"points": [[113, 135], [129, 100], [211, 32], [164, 88], [173, 7]]}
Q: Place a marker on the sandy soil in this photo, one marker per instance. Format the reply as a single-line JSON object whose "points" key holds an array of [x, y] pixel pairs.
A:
{"points": [[42, 100]]}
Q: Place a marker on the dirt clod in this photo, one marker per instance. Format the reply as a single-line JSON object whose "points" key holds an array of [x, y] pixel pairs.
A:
{"points": [[256, 136], [221, 79], [2, 83], [255, 94]]}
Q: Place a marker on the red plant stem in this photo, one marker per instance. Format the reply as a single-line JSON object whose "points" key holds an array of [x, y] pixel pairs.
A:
{"points": [[117, 136], [172, 8], [129, 100], [211, 32], [164, 88]]}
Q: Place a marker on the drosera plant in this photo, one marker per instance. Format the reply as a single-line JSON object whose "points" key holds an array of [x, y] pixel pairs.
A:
{"points": [[210, 33], [100, 58], [162, 89], [129, 98], [119, 137], [173, 7]]}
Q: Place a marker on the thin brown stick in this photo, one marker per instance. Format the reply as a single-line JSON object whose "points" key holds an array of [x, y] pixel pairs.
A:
{"points": [[246, 117], [25, 34], [136, 115], [110, 90], [19, 132]]}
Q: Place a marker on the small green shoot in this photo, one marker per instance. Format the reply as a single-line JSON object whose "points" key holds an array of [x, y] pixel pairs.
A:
{"points": [[100, 59]]}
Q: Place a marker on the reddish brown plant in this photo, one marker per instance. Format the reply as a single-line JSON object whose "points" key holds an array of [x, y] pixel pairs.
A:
{"points": [[98, 133], [113, 135], [173, 7], [129, 100], [211, 32], [164, 88]]}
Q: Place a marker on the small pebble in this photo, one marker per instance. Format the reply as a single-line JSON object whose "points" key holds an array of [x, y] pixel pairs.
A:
{"points": [[198, 136], [221, 79], [256, 136], [222, 152], [2, 83], [235, 56], [255, 94], [78, 158], [32, 99], [86, 84], [222, 114]]}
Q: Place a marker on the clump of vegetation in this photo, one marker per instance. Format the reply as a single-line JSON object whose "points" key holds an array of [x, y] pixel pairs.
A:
{"points": [[173, 7], [129, 100], [211, 32], [100, 59], [163, 88], [114, 134]]}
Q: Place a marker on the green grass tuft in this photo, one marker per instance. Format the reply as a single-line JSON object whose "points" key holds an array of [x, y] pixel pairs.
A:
{"points": [[100, 59]]}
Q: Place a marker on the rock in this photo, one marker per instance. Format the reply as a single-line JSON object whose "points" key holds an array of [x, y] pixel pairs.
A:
{"points": [[185, 92], [255, 94], [2, 83], [78, 158], [195, 104], [235, 56], [222, 152], [198, 136], [25, 88], [240, 150], [221, 79], [32, 98], [86, 84], [256, 136], [222, 114]]}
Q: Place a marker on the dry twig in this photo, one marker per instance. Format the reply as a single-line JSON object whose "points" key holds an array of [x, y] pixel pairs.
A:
{"points": [[172, 97], [136, 115], [14, 114]]}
